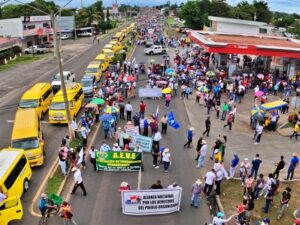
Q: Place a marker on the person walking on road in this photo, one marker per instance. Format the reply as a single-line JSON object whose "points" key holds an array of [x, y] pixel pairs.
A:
{"points": [[84, 134], [244, 170], [207, 126], [128, 109], [269, 198], [296, 130], [234, 165], [122, 110], [142, 109], [279, 166], [284, 201], [62, 159], [229, 120], [164, 124], [210, 178], [224, 111], [255, 166], [202, 153], [67, 214], [198, 147], [168, 100], [189, 137], [197, 190], [293, 164], [258, 131], [156, 137], [78, 182], [155, 155], [166, 158], [157, 185], [92, 154]]}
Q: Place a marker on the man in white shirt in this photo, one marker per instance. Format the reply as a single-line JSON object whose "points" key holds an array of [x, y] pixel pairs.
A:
{"points": [[156, 138], [202, 154], [258, 131], [92, 153], [210, 178], [78, 181], [128, 109]]}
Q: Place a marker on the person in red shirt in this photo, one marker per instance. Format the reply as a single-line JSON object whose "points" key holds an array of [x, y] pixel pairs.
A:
{"points": [[142, 109]]}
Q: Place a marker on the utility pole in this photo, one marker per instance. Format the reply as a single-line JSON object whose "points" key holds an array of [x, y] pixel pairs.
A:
{"points": [[61, 73]]}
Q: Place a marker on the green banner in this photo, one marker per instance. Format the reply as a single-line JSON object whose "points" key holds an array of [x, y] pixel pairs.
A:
{"points": [[118, 161]]}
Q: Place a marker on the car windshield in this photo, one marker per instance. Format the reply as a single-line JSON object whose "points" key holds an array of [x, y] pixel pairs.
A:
{"points": [[26, 143], [86, 83], [91, 70], [58, 105], [29, 103], [57, 77]]}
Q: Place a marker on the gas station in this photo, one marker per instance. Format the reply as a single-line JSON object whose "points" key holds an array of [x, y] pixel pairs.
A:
{"points": [[286, 51]]}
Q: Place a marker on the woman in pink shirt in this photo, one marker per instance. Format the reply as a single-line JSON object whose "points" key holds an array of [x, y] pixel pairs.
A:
{"points": [[168, 100], [248, 184]]}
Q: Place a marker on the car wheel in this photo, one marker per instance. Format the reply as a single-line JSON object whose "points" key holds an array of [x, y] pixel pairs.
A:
{"points": [[164, 52], [151, 53], [26, 52], [26, 184]]}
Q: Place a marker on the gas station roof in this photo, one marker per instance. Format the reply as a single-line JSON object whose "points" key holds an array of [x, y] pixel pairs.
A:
{"points": [[261, 45]]}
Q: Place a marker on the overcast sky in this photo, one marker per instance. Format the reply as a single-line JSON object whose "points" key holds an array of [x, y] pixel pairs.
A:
{"points": [[289, 6]]}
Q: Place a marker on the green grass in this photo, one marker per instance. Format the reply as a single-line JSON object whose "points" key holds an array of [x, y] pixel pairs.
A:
{"points": [[232, 193], [287, 125], [22, 60], [54, 182], [170, 21]]}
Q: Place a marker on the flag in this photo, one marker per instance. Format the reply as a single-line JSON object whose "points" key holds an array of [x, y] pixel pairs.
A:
{"points": [[157, 114], [172, 122]]}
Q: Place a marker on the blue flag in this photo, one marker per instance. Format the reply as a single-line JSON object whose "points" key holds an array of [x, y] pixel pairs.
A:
{"points": [[172, 122]]}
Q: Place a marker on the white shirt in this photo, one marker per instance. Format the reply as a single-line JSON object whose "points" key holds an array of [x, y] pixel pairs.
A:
{"points": [[128, 107], [203, 150], [116, 148], [210, 178], [74, 125], [157, 136], [220, 221], [259, 129], [92, 153], [77, 176], [166, 157], [220, 175]]}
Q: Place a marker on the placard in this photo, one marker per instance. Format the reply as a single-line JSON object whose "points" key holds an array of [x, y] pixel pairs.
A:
{"points": [[151, 202], [150, 92], [118, 160], [144, 142]]}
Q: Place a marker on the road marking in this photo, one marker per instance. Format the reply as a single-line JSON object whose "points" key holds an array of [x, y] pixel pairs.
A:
{"points": [[129, 58], [139, 180], [67, 198], [12, 121]]}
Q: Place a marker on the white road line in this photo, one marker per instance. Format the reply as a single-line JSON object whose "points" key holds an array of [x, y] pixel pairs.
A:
{"points": [[12, 121], [139, 180]]}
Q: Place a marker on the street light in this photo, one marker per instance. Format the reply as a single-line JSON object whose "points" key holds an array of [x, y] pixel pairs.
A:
{"points": [[59, 60]]}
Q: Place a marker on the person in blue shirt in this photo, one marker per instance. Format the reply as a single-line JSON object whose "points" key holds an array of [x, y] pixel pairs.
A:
{"points": [[146, 125], [293, 164], [43, 204], [189, 137], [234, 165], [255, 166]]}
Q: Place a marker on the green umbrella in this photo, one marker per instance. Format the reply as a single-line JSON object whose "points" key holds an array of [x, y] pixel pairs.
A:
{"points": [[98, 101]]}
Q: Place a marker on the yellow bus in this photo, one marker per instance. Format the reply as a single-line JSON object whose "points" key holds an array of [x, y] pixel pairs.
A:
{"points": [[118, 36], [103, 60], [109, 53], [15, 174], [114, 48], [27, 134], [39, 97], [94, 69], [57, 110]]}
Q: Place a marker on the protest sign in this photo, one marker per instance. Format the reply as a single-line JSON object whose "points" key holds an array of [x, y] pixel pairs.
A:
{"points": [[150, 92], [144, 142], [151, 202], [131, 129], [118, 161]]}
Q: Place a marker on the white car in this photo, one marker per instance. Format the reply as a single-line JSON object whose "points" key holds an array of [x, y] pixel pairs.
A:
{"points": [[155, 49], [85, 34], [36, 49], [56, 82], [64, 37]]}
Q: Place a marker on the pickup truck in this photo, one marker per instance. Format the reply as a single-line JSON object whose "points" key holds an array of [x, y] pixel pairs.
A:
{"points": [[56, 82], [36, 49], [155, 49]]}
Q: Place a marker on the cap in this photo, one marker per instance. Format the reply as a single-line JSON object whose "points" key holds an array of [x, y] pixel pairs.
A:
{"points": [[245, 159], [116, 145], [203, 142], [198, 181], [220, 214], [124, 184], [216, 151], [126, 136]]}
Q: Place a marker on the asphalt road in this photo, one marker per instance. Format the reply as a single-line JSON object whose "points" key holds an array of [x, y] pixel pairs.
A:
{"points": [[15, 81], [102, 205]]}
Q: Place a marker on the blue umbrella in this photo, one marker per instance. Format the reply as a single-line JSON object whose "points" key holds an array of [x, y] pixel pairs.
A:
{"points": [[169, 71], [105, 117], [181, 67]]}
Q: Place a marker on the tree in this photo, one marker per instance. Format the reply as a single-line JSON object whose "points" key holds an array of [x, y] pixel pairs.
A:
{"points": [[243, 10], [107, 14], [262, 11], [220, 9], [192, 15], [99, 8], [86, 16]]}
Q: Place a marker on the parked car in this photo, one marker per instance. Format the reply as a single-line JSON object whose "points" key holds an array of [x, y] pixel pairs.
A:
{"points": [[88, 84], [48, 44], [85, 34], [69, 77], [36, 49], [64, 37]]}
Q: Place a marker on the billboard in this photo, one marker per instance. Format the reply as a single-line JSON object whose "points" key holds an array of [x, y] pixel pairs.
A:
{"points": [[65, 22]]}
